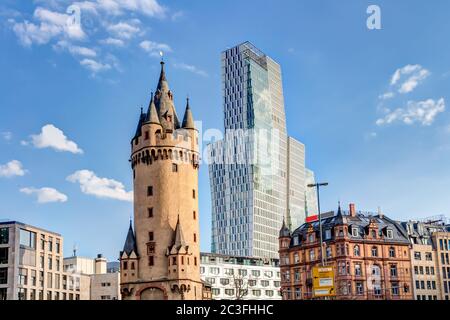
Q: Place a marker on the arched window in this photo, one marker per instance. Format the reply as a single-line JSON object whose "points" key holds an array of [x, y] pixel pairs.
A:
{"points": [[374, 252], [392, 252], [356, 251]]}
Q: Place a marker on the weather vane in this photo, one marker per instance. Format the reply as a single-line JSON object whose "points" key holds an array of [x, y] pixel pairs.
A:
{"points": [[162, 55]]}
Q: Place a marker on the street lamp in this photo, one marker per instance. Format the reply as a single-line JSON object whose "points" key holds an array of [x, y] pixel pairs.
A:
{"points": [[317, 186]]}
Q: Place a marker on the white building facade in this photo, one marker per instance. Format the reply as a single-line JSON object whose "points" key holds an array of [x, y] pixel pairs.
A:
{"points": [[241, 278]]}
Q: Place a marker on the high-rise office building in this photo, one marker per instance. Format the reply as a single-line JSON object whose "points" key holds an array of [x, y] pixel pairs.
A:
{"points": [[257, 172]]}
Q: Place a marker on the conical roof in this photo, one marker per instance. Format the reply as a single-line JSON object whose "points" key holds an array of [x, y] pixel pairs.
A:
{"points": [[179, 237], [152, 114], [188, 120], [130, 242], [284, 231]]}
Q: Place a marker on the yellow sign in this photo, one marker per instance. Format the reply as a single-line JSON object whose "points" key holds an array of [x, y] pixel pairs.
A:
{"points": [[323, 281]]}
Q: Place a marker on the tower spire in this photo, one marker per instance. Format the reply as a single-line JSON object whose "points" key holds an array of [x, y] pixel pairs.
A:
{"points": [[188, 120], [152, 114]]}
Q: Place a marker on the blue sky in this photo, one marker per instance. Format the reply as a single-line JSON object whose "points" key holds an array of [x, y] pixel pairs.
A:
{"points": [[70, 99]]}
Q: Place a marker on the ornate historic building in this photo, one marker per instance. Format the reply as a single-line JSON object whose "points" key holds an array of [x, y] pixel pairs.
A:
{"points": [[370, 255], [161, 257]]}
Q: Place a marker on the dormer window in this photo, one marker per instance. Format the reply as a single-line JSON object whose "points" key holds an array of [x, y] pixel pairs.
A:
{"points": [[311, 237], [374, 234], [355, 232], [389, 234], [295, 241], [327, 234]]}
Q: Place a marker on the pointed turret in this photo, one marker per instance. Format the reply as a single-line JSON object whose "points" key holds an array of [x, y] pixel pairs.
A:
{"points": [[162, 82], [152, 114], [130, 242], [178, 241], [188, 120], [139, 125], [164, 103], [284, 231], [339, 217]]}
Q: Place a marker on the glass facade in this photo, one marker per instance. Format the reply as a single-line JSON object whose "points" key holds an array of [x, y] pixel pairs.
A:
{"points": [[249, 169]]}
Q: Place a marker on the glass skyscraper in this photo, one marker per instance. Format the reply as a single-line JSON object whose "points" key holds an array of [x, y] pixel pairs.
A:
{"points": [[257, 173]]}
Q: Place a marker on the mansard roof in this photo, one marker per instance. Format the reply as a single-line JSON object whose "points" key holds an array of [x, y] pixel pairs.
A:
{"points": [[360, 221]]}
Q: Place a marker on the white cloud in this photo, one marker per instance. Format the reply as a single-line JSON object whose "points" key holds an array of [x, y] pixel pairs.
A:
{"points": [[113, 42], [6, 135], [154, 48], [124, 30], [91, 184], [414, 75], [45, 195], [385, 96], [50, 24], [52, 137], [423, 112], [147, 7], [29, 33], [94, 66], [11, 169], [75, 50], [190, 68]]}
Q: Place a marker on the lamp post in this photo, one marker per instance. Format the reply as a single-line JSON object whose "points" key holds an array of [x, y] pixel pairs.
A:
{"points": [[317, 186]]}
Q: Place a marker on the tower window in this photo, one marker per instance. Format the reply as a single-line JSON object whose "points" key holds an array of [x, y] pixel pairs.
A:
{"points": [[174, 261], [195, 215], [182, 259], [195, 261], [147, 136], [195, 237], [125, 265], [151, 261], [149, 191], [193, 193], [150, 248], [132, 266], [150, 212], [150, 236], [174, 167], [136, 141]]}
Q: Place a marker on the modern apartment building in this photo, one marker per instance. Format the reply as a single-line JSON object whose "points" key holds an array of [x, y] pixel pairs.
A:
{"points": [[257, 173], [31, 266], [104, 282], [241, 278], [441, 241], [370, 255], [427, 276]]}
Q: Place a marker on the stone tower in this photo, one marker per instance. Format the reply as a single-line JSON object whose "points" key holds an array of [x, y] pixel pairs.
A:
{"points": [[161, 256]]}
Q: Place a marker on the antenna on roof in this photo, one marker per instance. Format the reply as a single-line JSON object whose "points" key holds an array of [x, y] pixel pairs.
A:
{"points": [[75, 248]]}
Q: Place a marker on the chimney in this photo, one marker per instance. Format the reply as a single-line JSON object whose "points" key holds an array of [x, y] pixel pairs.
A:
{"points": [[352, 210], [100, 264], [380, 213]]}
